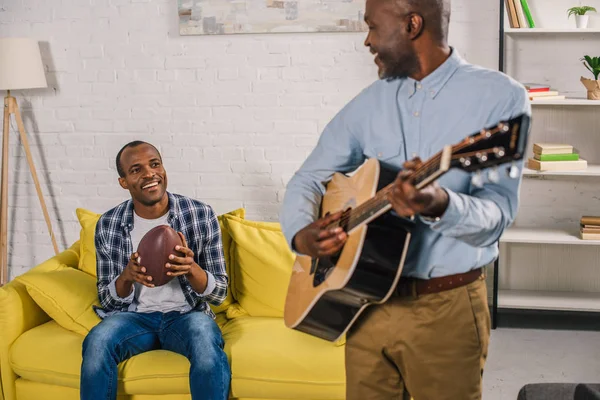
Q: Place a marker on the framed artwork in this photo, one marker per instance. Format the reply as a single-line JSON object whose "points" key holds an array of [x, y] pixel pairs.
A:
{"points": [[221, 17]]}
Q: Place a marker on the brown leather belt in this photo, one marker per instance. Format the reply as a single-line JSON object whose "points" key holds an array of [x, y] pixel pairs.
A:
{"points": [[416, 287]]}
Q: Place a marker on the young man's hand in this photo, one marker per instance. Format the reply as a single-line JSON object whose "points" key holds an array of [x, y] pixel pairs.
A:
{"points": [[186, 265], [133, 272]]}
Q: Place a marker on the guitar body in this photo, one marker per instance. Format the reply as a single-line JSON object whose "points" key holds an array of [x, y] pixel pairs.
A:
{"points": [[326, 295]]}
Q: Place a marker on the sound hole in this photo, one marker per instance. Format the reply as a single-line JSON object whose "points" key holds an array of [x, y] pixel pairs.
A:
{"points": [[324, 266]]}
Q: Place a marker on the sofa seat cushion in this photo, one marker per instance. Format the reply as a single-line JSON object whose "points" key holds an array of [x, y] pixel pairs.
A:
{"points": [[51, 354], [269, 360]]}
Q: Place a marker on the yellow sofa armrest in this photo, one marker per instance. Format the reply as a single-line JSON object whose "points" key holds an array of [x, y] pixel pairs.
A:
{"points": [[19, 313]]}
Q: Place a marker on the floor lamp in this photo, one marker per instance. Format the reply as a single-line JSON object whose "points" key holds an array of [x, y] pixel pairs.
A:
{"points": [[20, 68]]}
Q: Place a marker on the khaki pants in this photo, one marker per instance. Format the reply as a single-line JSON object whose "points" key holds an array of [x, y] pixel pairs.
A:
{"points": [[430, 347]]}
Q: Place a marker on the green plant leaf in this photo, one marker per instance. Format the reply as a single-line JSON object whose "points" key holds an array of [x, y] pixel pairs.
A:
{"points": [[580, 10], [592, 64]]}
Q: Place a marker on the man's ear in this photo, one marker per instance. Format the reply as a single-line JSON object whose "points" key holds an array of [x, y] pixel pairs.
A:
{"points": [[123, 183], [414, 26]]}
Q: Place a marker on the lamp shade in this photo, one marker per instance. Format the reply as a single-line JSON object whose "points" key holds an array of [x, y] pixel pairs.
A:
{"points": [[21, 64]]}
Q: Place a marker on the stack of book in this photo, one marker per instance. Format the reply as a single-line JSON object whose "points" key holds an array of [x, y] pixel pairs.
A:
{"points": [[519, 14], [541, 92], [555, 157], [590, 227]]}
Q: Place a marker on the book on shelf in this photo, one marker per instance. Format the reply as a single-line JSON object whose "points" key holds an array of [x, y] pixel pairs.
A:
{"points": [[519, 14], [536, 87], [590, 236], [556, 157], [538, 165], [590, 220], [595, 229], [546, 95], [552, 148]]}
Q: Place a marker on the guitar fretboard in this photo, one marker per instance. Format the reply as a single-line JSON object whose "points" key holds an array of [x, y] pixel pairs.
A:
{"points": [[379, 202]]}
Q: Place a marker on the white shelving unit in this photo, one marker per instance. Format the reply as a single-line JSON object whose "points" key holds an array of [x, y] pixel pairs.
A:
{"points": [[544, 264]]}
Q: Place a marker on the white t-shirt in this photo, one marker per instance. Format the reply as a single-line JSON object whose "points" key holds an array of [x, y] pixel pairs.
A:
{"points": [[165, 298]]}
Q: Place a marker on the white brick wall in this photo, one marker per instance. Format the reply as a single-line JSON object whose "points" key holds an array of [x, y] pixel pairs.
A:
{"points": [[234, 116]]}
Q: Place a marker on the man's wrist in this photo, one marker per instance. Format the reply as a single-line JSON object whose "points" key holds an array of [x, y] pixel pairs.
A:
{"points": [[198, 273], [123, 286], [437, 210], [198, 278]]}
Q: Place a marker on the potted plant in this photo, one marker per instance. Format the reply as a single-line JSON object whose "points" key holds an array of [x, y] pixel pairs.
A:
{"points": [[581, 18], [592, 86]]}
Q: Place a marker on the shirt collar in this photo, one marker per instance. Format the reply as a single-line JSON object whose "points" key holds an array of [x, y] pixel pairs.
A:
{"points": [[174, 212], [435, 81]]}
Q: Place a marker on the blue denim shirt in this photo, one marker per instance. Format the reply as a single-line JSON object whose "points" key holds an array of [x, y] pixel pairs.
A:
{"points": [[395, 120]]}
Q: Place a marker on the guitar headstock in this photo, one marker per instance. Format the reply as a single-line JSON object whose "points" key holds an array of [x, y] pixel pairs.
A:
{"points": [[504, 143]]}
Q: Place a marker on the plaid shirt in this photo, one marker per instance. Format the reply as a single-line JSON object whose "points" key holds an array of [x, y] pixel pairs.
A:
{"points": [[200, 227]]}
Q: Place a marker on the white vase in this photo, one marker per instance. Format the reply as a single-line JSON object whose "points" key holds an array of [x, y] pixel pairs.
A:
{"points": [[581, 21]]}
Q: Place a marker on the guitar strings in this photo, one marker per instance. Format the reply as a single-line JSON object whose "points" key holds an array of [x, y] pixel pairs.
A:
{"points": [[423, 170]]}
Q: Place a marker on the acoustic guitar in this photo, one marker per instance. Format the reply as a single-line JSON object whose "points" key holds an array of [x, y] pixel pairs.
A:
{"points": [[326, 295]]}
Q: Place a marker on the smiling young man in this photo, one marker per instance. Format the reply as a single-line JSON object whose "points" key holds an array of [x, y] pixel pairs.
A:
{"points": [[139, 317], [430, 338]]}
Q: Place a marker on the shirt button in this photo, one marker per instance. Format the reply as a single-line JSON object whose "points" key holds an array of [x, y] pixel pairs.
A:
{"points": [[416, 113], [419, 86]]}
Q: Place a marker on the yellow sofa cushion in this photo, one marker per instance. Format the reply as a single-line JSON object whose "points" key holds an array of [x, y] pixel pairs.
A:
{"points": [[268, 360], [262, 266], [50, 354], [66, 295], [87, 250], [229, 257]]}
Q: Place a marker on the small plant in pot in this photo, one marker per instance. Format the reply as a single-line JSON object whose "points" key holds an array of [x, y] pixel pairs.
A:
{"points": [[581, 17], [592, 86]]}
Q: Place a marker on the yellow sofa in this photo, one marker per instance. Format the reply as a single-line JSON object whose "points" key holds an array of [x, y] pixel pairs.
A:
{"points": [[46, 312]]}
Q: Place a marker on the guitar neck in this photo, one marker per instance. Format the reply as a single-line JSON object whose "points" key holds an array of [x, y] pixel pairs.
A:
{"points": [[422, 176], [503, 143]]}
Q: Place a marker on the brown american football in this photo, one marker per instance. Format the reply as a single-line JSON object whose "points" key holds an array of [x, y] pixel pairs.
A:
{"points": [[154, 250]]}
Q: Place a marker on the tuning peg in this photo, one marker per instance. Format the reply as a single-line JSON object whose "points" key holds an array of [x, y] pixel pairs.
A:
{"points": [[477, 179], [465, 162], [513, 171], [493, 175]]}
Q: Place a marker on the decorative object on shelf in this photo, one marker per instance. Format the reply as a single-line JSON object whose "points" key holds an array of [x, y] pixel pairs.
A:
{"points": [[581, 17], [21, 68], [592, 86], [221, 17], [589, 227]]}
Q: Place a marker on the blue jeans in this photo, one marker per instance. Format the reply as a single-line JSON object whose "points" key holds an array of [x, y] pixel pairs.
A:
{"points": [[118, 337]]}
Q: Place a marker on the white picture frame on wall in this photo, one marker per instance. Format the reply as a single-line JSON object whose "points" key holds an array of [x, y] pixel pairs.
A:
{"points": [[222, 17]]}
